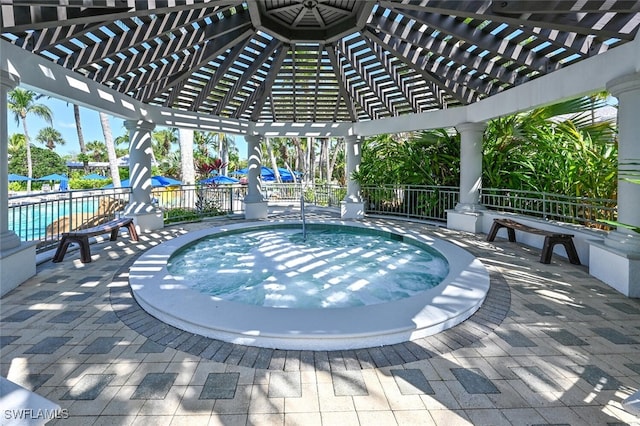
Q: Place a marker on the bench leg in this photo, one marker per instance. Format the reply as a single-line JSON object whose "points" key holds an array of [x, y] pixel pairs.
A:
{"points": [[61, 250], [511, 234], [114, 234], [547, 250], [494, 230], [133, 234], [85, 250], [572, 253]]}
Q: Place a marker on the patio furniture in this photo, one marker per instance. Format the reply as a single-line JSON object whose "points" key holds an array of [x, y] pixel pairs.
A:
{"points": [[81, 237], [550, 239]]}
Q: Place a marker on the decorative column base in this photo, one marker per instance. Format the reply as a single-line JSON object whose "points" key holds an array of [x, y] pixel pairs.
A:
{"points": [[255, 210], [146, 217], [351, 210], [618, 265], [17, 265], [9, 240], [467, 218]]}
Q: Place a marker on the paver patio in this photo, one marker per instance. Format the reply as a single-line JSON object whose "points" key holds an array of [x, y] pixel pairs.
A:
{"points": [[551, 345]]}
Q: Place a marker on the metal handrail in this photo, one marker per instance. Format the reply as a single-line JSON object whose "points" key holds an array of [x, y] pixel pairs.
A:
{"points": [[304, 228]]}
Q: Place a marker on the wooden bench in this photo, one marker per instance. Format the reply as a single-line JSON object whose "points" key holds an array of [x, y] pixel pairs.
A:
{"points": [[81, 236], [550, 239]]}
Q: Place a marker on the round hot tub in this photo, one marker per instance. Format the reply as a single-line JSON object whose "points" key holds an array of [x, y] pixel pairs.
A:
{"points": [[341, 285]]}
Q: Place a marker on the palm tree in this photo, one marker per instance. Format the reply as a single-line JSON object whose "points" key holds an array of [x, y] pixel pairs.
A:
{"points": [[23, 103], [225, 142], [163, 140], [76, 115], [272, 158], [16, 144], [202, 141], [111, 149], [49, 137], [97, 150], [187, 165]]}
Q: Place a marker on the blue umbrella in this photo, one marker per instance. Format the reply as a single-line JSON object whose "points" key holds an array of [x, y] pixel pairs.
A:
{"points": [[53, 176], [17, 178], [164, 181], [94, 176], [267, 174], [220, 180], [156, 181]]}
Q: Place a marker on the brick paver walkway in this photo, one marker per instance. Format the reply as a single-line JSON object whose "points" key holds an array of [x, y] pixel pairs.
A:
{"points": [[551, 345]]}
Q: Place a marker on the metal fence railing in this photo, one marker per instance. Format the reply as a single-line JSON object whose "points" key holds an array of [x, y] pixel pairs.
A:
{"points": [[580, 210], [419, 202], [192, 202], [44, 217], [327, 195]]}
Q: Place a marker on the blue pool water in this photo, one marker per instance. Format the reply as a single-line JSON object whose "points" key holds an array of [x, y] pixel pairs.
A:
{"points": [[30, 221], [331, 269]]}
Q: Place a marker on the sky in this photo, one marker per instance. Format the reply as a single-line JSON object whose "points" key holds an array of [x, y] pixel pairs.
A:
{"points": [[64, 122]]}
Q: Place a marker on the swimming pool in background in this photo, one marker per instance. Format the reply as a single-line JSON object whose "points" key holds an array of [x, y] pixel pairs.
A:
{"points": [[176, 300], [30, 221]]}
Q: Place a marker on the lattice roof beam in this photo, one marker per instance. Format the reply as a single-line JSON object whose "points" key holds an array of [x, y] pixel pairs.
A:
{"points": [[436, 48], [247, 74], [473, 10], [545, 6], [214, 79], [399, 82], [50, 37], [522, 55], [483, 11], [444, 83], [354, 84], [180, 69], [28, 16], [236, 24], [587, 19], [165, 28], [259, 96], [352, 54], [333, 58], [318, 71]]}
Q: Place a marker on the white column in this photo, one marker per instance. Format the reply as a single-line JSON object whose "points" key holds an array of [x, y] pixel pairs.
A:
{"points": [[467, 215], [8, 238], [147, 217], [255, 206], [352, 206], [616, 261], [470, 165], [17, 259], [627, 90]]}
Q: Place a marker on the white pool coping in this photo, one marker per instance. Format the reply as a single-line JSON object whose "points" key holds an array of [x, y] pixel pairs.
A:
{"points": [[432, 311]]}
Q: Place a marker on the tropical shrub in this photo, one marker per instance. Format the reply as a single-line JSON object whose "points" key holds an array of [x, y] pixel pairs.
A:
{"points": [[180, 215], [45, 162]]}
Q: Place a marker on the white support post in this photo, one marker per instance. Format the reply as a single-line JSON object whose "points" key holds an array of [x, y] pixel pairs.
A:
{"points": [[255, 206], [617, 260], [17, 259], [352, 206], [146, 216], [467, 215]]}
